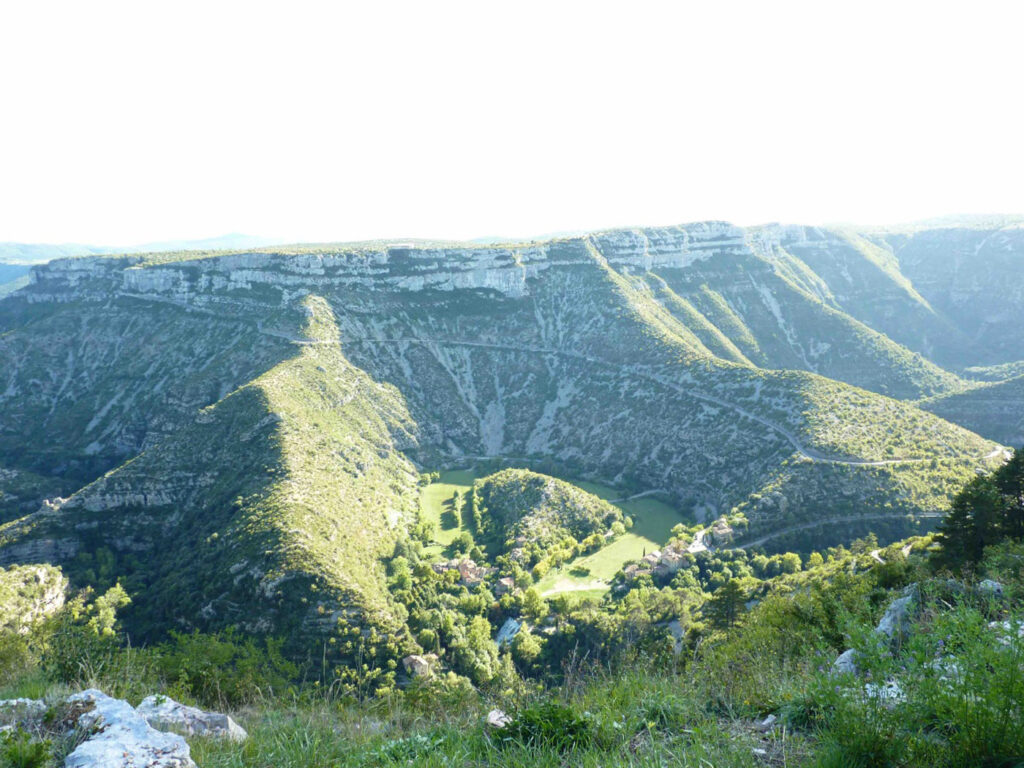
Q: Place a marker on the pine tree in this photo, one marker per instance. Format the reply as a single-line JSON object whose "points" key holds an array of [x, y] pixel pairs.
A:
{"points": [[726, 604], [1009, 481], [976, 519]]}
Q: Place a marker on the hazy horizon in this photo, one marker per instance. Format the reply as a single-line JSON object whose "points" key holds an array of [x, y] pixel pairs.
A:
{"points": [[131, 123], [270, 241]]}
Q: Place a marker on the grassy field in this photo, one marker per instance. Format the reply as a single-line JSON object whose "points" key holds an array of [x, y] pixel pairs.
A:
{"points": [[653, 521], [436, 505]]}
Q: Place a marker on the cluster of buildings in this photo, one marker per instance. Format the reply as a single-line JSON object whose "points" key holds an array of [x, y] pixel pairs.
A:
{"points": [[470, 574], [666, 562]]}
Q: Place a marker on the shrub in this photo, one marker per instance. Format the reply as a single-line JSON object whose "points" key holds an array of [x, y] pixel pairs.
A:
{"points": [[408, 749], [549, 725], [81, 642], [224, 669], [18, 750]]}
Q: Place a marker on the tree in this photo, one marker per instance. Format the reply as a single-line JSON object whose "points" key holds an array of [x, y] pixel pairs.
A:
{"points": [[973, 522], [401, 573], [534, 605], [790, 562], [477, 655], [463, 543], [726, 605], [988, 510], [1009, 481], [525, 647]]}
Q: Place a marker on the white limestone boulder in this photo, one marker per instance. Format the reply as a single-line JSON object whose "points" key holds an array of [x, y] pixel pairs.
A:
{"points": [[508, 631], [166, 714], [895, 623], [22, 708], [123, 738]]}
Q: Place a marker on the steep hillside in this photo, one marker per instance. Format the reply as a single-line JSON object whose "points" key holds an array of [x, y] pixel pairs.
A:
{"points": [[270, 509], [746, 300], [994, 410], [973, 278], [13, 277], [861, 276], [86, 386]]}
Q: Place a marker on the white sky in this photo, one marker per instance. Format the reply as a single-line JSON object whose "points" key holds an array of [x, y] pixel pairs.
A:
{"points": [[140, 121]]}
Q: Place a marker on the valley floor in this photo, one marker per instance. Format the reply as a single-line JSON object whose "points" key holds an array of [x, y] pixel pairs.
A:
{"points": [[586, 575]]}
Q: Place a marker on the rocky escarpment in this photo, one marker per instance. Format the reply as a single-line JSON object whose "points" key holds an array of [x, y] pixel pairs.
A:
{"points": [[28, 594], [973, 278], [104, 732]]}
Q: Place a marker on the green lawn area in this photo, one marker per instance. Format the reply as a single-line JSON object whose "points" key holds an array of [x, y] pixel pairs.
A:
{"points": [[436, 504], [653, 521]]}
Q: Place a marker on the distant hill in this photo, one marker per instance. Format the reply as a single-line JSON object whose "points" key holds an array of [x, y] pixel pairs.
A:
{"points": [[37, 253], [15, 258], [995, 410]]}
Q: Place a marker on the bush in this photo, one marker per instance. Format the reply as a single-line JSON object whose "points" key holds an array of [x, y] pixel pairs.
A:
{"points": [[224, 669], [958, 692], [18, 750], [408, 749], [549, 725], [81, 642]]}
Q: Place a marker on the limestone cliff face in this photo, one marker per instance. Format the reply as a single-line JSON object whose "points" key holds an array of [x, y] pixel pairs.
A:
{"points": [[505, 270], [920, 289]]}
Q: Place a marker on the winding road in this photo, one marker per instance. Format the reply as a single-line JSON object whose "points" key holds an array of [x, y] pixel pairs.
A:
{"points": [[826, 521]]}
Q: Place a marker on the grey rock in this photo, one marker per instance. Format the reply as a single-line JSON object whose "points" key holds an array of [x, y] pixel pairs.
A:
{"points": [[1006, 630], [846, 664], [508, 631], [895, 623], [888, 694], [675, 628], [166, 714], [123, 739], [22, 711], [991, 587], [496, 718], [416, 665]]}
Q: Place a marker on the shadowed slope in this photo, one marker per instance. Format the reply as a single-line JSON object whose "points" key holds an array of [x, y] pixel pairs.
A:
{"points": [[270, 511]]}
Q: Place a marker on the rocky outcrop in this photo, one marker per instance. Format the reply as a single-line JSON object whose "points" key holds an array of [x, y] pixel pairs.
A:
{"points": [[113, 734], [893, 628], [508, 632], [121, 738], [895, 622], [22, 710], [418, 666], [846, 663]]}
